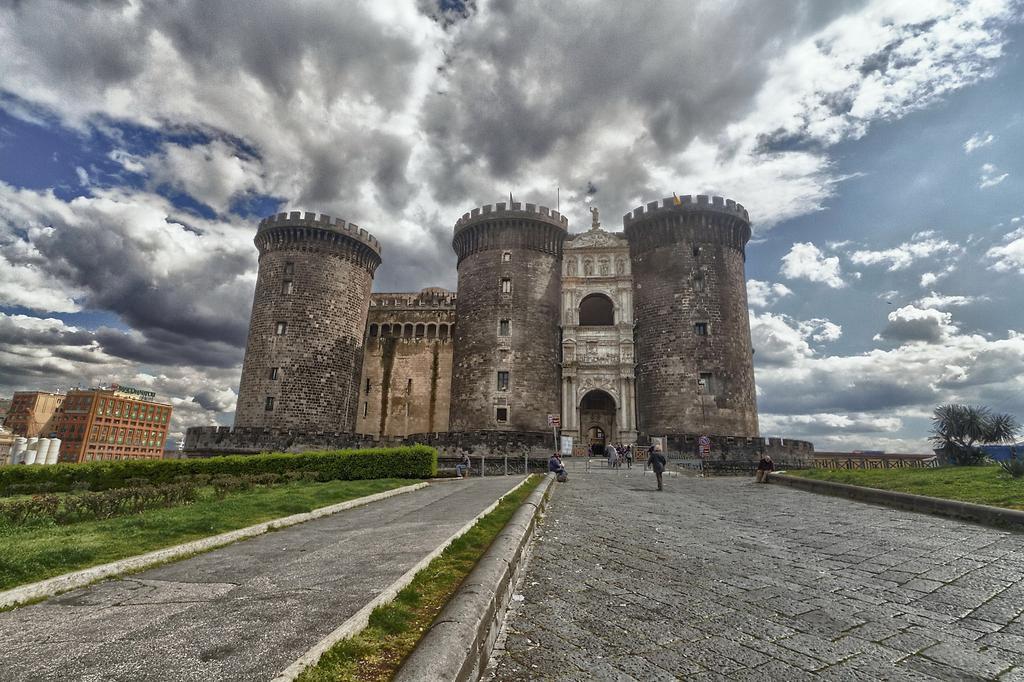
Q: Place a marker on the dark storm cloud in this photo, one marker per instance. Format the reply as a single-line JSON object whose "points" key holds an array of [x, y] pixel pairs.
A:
{"points": [[528, 79]]}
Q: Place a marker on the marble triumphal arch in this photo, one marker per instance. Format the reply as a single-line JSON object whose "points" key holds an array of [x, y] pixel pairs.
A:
{"points": [[598, 383]]}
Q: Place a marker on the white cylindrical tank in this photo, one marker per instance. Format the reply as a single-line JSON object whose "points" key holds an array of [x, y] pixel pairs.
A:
{"points": [[18, 449], [42, 447], [53, 452], [30, 452]]}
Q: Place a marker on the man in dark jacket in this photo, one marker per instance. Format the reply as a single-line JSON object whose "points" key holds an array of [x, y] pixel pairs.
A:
{"points": [[556, 467], [658, 462]]}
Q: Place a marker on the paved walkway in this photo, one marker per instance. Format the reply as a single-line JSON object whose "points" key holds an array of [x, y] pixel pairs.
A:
{"points": [[243, 612], [723, 579]]}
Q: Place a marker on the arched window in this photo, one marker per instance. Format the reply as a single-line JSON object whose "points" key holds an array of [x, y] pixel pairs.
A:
{"points": [[407, 331], [431, 330], [442, 331], [421, 330], [597, 310], [373, 330]]}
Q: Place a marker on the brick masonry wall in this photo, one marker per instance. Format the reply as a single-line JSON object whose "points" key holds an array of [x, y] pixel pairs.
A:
{"points": [[531, 353], [320, 357], [667, 305]]}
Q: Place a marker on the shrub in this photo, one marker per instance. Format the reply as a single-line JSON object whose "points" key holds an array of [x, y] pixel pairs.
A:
{"points": [[1014, 465], [88, 506], [417, 461]]}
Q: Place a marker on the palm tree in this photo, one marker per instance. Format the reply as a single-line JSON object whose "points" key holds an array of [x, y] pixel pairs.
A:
{"points": [[958, 431]]}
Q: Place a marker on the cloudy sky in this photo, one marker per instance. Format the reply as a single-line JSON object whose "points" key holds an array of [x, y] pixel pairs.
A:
{"points": [[878, 145]]}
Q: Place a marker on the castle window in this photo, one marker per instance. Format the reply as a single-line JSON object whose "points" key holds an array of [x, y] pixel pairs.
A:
{"points": [[421, 331], [707, 383], [700, 328], [407, 331], [273, 373], [698, 282], [502, 381], [503, 327], [506, 285], [597, 310], [431, 330], [696, 252], [366, 408], [501, 415], [367, 387], [289, 268], [286, 287], [506, 257], [269, 404], [281, 329], [442, 331], [373, 331]]}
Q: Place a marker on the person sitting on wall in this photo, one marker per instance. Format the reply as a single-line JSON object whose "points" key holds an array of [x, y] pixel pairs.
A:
{"points": [[463, 467], [556, 467], [764, 467]]}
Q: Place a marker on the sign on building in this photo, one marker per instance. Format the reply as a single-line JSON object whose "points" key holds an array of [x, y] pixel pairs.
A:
{"points": [[566, 446], [554, 420]]}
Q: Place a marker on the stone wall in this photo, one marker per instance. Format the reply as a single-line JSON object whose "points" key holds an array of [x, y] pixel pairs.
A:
{"points": [[407, 364], [523, 245], [311, 371], [740, 449], [688, 270]]}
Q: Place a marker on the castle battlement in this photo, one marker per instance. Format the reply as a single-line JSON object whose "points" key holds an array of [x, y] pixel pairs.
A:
{"points": [[324, 222], [516, 210], [431, 297], [688, 203]]}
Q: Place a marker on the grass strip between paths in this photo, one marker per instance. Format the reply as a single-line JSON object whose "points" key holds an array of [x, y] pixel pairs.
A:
{"points": [[38, 551], [377, 652], [978, 484]]}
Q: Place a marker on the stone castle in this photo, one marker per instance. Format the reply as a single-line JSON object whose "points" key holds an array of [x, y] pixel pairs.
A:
{"points": [[623, 336]]}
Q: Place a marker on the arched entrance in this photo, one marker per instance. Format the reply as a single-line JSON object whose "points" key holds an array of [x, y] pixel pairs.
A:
{"points": [[597, 418]]}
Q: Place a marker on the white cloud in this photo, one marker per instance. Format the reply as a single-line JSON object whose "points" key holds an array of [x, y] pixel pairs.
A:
{"points": [[978, 140], [939, 301], [213, 174], [820, 329], [763, 294], [903, 256], [806, 261], [990, 176], [1008, 256], [912, 324]]}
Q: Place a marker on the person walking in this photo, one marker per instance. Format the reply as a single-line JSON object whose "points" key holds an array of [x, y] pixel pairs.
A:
{"points": [[658, 462], [764, 467], [629, 456]]}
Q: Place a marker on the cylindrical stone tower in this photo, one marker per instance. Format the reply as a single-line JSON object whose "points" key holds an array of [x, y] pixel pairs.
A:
{"points": [[305, 347], [506, 373], [694, 371]]}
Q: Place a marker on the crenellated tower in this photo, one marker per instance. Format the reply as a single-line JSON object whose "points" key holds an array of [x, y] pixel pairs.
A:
{"points": [[694, 371], [505, 373], [304, 352]]}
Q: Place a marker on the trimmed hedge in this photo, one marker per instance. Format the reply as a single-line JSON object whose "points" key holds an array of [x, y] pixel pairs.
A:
{"points": [[417, 461]]}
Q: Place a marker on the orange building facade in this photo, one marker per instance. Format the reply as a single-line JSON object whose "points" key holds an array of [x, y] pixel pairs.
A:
{"points": [[33, 413], [111, 424]]}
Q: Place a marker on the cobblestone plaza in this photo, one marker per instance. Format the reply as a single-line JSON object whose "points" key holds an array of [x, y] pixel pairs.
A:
{"points": [[718, 579]]}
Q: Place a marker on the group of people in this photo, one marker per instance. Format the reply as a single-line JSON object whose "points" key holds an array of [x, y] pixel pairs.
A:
{"points": [[618, 455]]}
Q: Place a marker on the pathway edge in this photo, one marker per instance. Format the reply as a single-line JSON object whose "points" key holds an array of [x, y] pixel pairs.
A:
{"points": [[460, 641], [70, 581], [361, 618], [964, 511]]}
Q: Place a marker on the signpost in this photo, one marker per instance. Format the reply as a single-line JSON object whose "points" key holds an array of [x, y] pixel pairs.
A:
{"points": [[555, 421], [705, 446], [567, 446]]}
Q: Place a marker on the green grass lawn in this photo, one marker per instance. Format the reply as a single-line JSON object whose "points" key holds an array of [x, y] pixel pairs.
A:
{"points": [[394, 629], [42, 550], [981, 484]]}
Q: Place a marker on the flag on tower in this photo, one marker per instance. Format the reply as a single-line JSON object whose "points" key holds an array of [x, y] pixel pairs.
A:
{"points": [[676, 200]]}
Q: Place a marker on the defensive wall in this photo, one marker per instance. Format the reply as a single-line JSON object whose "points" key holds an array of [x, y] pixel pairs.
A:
{"points": [[407, 364]]}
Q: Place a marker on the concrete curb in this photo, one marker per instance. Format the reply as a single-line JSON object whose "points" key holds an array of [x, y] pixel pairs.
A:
{"points": [[964, 511], [76, 579], [357, 622], [460, 641]]}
